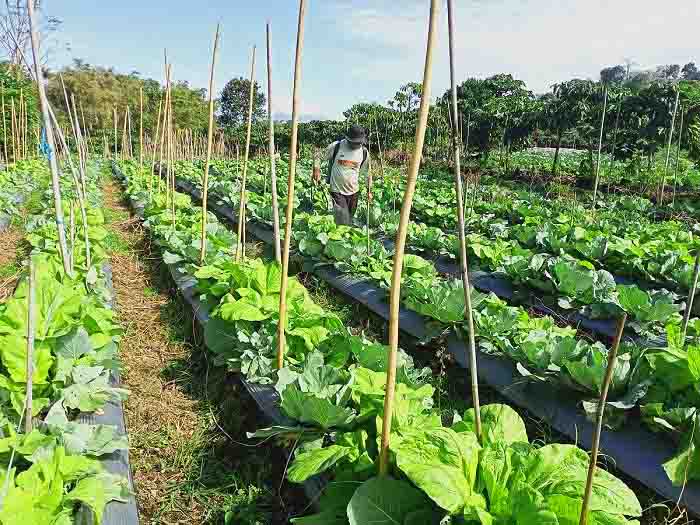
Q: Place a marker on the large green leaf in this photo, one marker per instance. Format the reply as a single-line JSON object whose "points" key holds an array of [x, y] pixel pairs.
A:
{"points": [[441, 462], [307, 408], [499, 424], [385, 501], [308, 464]]}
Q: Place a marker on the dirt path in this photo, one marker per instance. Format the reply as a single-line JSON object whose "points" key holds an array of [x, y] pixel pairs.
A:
{"points": [[186, 422], [10, 259]]}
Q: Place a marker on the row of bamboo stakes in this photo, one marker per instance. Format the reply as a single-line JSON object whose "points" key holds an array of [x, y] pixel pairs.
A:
{"points": [[167, 143]]}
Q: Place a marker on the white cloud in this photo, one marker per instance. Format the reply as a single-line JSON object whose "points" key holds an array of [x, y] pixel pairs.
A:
{"points": [[539, 41]]}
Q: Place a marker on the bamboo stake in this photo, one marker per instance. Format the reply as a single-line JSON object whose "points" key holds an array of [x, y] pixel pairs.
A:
{"points": [[668, 147], [678, 156], [155, 147], [71, 222], [271, 147], [4, 127], [43, 102], [241, 201], [210, 136], [31, 299], [462, 236], [140, 129], [401, 242], [607, 379], [126, 137], [282, 325], [600, 146], [14, 130], [691, 296], [114, 112]]}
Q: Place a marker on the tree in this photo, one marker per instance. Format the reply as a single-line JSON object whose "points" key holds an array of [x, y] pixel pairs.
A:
{"points": [[234, 100], [690, 71], [668, 72], [613, 74]]}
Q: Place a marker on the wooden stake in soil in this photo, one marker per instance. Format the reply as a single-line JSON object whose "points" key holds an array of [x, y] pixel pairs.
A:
{"points": [[607, 379], [114, 112], [44, 104], [141, 129], [691, 297], [462, 236], [290, 187], [31, 292], [668, 147], [4, 127], [241, 201], [678, 156], [401, 242], [600, 146], [207, 160], [271, 148]]}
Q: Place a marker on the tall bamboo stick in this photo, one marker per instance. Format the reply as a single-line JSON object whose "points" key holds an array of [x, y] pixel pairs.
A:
{"points": [[155, 147], [140, 128], [242, 199], [607, 379], [43, 102], [210, 136], [401, 241], [4, 127], [271, 148], [282, 325], [114, 112], [600, 146], [668, 147], [31, 299], [462, 236], [13, 129]]}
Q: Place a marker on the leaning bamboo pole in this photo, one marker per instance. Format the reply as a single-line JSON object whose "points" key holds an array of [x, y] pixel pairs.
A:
{"points": [[114, 114], [282, 325], [600, 146], [400, 244], [43, 102], [241, 200], [460, 220], [207, 160], [668, 147], [691, 297], [271, 148], [607, 379], [13, 130]]}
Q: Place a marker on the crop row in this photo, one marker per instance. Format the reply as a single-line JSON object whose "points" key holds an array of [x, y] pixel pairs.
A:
{"points": [[52, 473]]}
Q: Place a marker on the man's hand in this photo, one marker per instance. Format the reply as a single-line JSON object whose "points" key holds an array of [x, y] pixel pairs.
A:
{"points": [[316, 174]]}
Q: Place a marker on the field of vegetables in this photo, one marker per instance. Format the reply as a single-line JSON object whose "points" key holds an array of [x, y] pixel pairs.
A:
{"points": [[314, 403]]}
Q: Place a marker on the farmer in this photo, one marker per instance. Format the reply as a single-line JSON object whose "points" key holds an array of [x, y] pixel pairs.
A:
{"points": [[346, 159]]}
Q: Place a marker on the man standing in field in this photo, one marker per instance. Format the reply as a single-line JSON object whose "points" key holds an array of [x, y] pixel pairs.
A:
{"points": [[346, 159]]}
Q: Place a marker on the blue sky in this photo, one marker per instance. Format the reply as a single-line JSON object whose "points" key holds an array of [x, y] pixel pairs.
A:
{"points": [[363, 50]]}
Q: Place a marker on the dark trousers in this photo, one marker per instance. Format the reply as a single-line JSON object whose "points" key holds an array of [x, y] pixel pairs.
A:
{"points": [[344, 207]]}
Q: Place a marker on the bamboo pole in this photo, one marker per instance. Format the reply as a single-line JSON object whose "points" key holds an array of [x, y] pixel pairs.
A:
{"points": [[31, 299], [668, 147], [210, 136], [462, 236], [400, 244], [14, 131], [140, 128], [607, 379], [282, 325], [4, 127], [241, 201], [271, 148], [155, 147], [600, 146], [678, 156], [114, 112], [71, 223], [691, 297], [43, 102]]}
